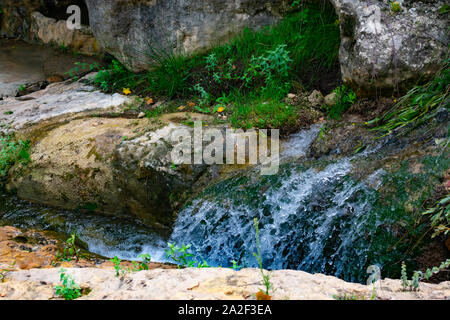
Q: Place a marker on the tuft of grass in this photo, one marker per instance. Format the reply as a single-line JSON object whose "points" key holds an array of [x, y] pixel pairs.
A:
{"points": [[419, 105], [261, 295]]}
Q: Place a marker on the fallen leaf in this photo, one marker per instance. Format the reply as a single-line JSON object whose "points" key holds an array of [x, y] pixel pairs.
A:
{"points": [[262, 296], [149, 101], [126, 91], [220, 110], [191, 104], [181, 108]]}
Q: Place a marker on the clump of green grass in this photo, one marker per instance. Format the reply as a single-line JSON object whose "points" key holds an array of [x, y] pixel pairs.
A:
{"points": [[12, 151], [419, 105]]}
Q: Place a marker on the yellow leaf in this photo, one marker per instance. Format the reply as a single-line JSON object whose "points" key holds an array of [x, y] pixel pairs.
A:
{"points": [[181, 108], [149, 100], [220, 110], [191, 104], [126, 91]]}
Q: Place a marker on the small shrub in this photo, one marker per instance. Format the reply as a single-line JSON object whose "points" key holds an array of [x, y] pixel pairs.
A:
{"points": [[68, 289], [396, 7], [120, 270]]}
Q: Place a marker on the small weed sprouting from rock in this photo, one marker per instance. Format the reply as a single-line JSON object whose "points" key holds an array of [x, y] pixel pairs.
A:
{"points": [[136, 266], [418, 276], [70, 250], [261, 295], [183, 257], [120, 270], [68, 289], [4, 271]]}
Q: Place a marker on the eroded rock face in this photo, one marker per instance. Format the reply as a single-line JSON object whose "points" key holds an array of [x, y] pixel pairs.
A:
{"points": [[55, 32], [127, 29], [206, 284], [382, 50]]}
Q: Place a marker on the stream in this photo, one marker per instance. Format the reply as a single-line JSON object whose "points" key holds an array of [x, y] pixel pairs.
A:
{"points": [[315, 215], [334, 215]]}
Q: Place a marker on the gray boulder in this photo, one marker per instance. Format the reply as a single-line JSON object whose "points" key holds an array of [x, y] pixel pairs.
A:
{"points": [[386, 50], [127, 29]]}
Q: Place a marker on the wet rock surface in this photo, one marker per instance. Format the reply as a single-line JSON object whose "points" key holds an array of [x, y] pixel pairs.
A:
{"points": [[25, 68]]}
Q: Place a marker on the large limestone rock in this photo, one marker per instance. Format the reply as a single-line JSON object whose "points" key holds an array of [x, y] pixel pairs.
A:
{"points": [[127, 29], [115, 166], [207, 284], [381, 49], [57, 100]]}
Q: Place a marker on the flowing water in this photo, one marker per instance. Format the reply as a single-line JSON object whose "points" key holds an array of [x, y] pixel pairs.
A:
{"points": [[315, 215]]}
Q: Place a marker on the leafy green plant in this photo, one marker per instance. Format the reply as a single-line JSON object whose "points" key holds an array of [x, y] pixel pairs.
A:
{"points": [[395, 6], [183, 256], [143, 265], [68, 289], [440, 216], [11, 152], [235, 265], [345, 97], [120, 270], [418, 276], [70, 250], [115, 78], [262, 295]]}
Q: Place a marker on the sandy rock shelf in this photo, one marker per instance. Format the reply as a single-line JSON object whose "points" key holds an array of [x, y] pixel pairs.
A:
{"points": [[205, 284]]}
